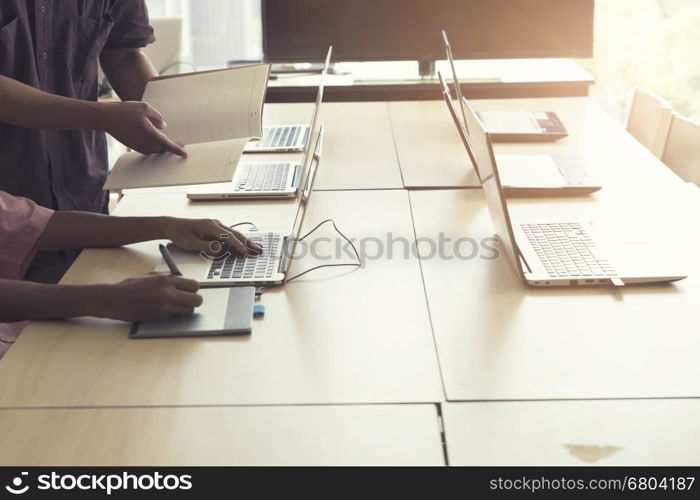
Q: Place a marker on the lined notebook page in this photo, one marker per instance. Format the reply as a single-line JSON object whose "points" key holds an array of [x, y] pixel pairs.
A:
{"points": [[206, 163], [211, 106]]}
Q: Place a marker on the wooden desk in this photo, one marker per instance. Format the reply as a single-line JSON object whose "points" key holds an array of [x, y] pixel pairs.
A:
{"points": [[358, 150], [332, 337], [431, 153], [288, 435], [358, 147], [498, 339], [541, 433]]}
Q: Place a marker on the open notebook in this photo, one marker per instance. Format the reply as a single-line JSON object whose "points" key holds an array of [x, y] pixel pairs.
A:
{"points": [[214, 114]]}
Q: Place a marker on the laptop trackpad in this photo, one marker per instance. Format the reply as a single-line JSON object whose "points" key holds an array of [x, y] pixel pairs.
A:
{"points": [[637, 249], [529, 171]]}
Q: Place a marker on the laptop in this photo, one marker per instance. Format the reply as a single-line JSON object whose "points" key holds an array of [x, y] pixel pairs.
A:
{"points": [[513, 126], [561, 251], [288, 138], [268, 268], [263, 179], [526, 174]]}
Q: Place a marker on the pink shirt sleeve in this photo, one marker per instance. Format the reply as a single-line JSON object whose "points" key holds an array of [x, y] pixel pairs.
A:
{"points": [[21, 223]]}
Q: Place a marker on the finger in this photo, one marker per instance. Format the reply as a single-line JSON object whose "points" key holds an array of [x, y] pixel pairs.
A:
{"points": [[253, 248], [217, 233], [233, 243], [248, 245], [188, 299], [162, 143], [213, 246], [178, 310], [155, 117], [184, 284]]}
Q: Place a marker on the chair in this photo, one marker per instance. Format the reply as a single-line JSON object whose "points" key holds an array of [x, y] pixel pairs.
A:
{"points": [[648, 119], [681, 152]]}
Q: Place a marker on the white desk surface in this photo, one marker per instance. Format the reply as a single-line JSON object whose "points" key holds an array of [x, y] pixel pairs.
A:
{"points": [[332, 337], [499, 340], [431, 153], [541, 433], [287, 435], [358, 149]]}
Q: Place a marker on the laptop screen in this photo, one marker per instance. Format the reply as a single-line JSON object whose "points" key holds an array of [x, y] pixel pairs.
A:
{"points": [[314, 141], [319, 100], [447, 96], [455, 80], [482, 153], [313, 149]]}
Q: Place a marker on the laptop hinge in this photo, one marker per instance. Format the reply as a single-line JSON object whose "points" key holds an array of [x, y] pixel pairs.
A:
{"points": [[297, 176], [523, 262], [285, 258]]}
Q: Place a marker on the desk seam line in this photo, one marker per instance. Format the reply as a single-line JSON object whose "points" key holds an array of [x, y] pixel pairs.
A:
{"points": [[425, 296]]}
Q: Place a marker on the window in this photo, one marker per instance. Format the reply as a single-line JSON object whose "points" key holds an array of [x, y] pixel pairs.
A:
{"points": [[647, 43], [215, 31]]}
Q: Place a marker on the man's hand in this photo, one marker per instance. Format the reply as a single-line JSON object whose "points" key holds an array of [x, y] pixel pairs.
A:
{"points": [[151, 297], [209, 236], [138, 126]]}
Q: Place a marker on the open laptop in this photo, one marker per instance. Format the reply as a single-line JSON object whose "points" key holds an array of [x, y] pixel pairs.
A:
{"points": [[288, 138], [268, 268], [561, 251], [526, 174], [264, 179], [513, 126]]}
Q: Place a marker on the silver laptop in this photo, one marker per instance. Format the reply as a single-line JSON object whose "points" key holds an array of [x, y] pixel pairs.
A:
{"points": [[560, 251], [253, 180], [268, 268], [263, 179], [512, 126], [288, 138], [528, 174]]}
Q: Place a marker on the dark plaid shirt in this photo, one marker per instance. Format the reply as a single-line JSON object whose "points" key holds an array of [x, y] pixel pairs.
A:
{"points": [[54, 45]]}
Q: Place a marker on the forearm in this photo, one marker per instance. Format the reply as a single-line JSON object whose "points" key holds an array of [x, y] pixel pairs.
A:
{"points": [[23, 300], [27, 106], [128, 72], [74, 230]]}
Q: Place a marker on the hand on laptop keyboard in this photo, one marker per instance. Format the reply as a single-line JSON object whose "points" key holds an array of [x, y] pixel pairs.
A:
{"points": [[209, 236]]}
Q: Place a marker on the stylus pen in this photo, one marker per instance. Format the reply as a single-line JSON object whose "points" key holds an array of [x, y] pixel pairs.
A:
{"points": [[169, 260]]}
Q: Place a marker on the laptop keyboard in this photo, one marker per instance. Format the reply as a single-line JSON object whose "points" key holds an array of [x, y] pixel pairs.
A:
{"points": [[279, 137], [566, 250], [262, 177], [250, 267]]}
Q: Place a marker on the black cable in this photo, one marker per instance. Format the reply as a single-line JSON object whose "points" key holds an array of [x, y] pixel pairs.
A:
{"points": [[178, 63], [244, 224], [259, 290], [354, 264]]}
